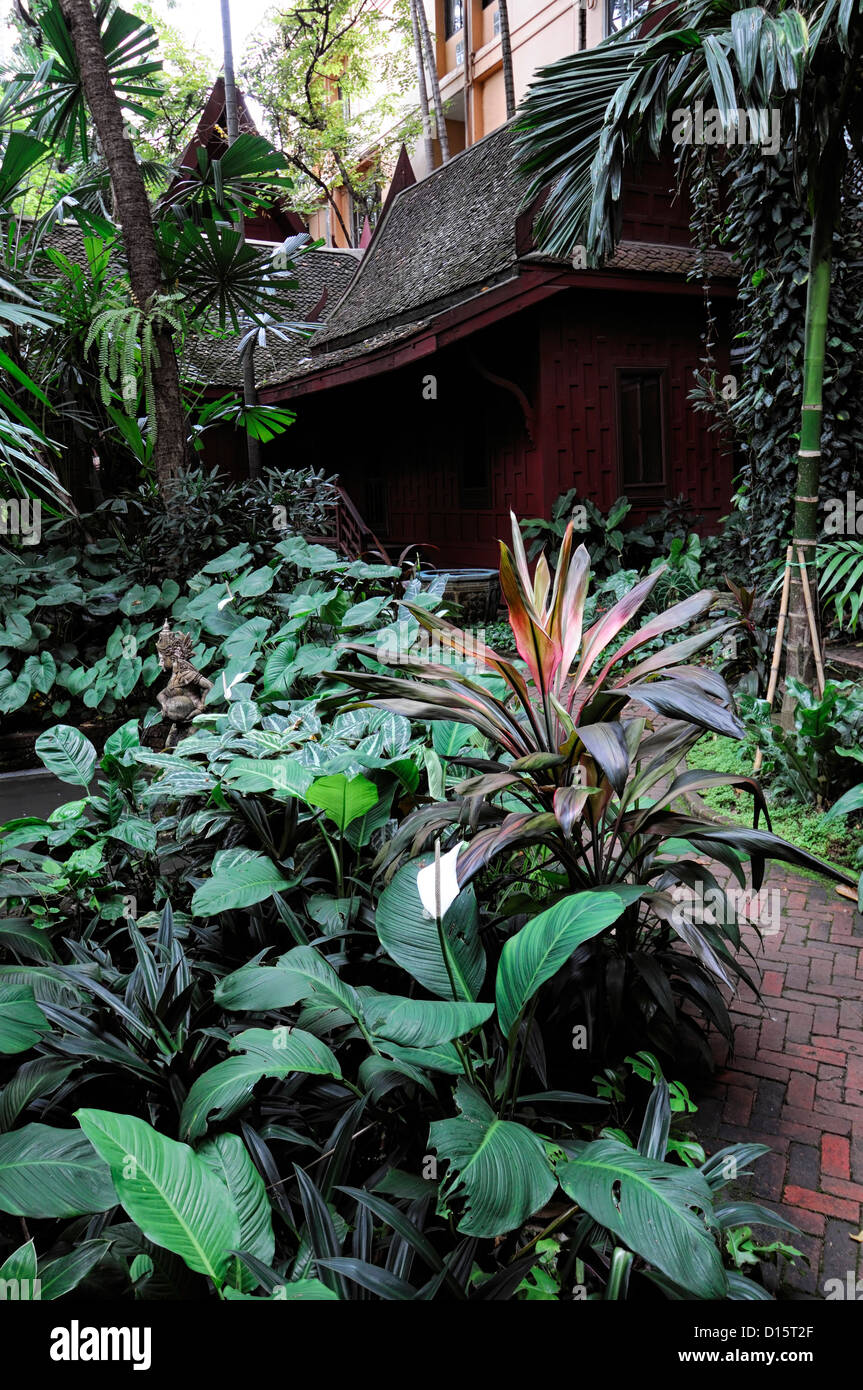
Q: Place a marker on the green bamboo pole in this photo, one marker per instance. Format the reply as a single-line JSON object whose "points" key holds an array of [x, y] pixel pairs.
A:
{"points": [[800, 661]]}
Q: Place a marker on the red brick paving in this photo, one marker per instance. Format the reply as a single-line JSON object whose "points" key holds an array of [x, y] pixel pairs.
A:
{"points": [[795, 1082]]}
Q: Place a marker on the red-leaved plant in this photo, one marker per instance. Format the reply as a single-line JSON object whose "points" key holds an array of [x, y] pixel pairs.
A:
{"points": [[576, 796]]}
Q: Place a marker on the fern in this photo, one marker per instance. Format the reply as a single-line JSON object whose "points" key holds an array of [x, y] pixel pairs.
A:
{"points": [[126, 336]]}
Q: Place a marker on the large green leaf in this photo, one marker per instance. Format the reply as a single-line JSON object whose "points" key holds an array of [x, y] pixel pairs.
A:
{"points": [[52, 1172], [61, 1276], [545, 943], [240, 885], [658, 1210], [175, 1198], [283, 775], [420, 1022], [300, 974], [68, 754], [343, 798], [276, 1052], [411, 937], [22, 1022], [500, 1167], [228, 1157]]}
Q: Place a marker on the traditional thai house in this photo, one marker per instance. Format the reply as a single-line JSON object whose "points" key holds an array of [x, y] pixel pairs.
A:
{"points": [[458, 373]]}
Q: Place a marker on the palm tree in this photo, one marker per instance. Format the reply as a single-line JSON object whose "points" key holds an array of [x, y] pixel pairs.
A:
{"points": [[422, 87], [250, 393], [506, 57], [591, 113], [419, 10], [86, 53]]}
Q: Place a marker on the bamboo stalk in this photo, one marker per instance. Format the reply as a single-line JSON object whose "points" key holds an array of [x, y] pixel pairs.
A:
{"points": [[813, 626], [777, 645]]}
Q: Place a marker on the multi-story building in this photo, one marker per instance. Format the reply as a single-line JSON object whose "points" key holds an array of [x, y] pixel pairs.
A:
{"points": [[466, 36]]}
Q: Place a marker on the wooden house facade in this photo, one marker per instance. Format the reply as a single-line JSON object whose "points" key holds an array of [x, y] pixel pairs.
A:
{"points": [[458, 374]]}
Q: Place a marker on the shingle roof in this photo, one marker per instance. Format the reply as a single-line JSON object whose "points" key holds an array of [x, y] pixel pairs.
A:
{"points": [[442, 240], [322, 275]]}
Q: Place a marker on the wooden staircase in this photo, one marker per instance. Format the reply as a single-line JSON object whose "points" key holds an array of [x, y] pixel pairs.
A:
{"points": [[350, 534]]}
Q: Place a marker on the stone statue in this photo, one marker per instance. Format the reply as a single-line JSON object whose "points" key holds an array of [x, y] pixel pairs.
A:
{"points": [[180, 701]]}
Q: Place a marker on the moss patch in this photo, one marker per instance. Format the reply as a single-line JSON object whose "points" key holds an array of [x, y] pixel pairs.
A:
{"points": [[802, 825]]}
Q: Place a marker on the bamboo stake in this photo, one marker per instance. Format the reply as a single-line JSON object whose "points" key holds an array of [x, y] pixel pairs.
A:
{"points": [[777, 645], [813, 627]]}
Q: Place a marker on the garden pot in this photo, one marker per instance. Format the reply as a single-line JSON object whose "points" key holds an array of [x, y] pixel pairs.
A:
{"points": [[476, 591]]}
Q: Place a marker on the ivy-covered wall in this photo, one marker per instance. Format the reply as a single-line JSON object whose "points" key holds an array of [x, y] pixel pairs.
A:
{"points": [[768, 233]]}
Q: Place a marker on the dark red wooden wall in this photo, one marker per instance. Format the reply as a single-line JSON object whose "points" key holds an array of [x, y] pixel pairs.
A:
{"points": [[405, 460], [587, 337]]}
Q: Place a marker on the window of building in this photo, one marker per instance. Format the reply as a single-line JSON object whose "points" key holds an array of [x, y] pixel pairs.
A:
{"points": [[454, 17], [641, 429], [619, 13]]}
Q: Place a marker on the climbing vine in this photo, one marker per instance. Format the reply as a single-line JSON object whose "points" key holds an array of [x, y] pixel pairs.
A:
{"points": [[767, 233]]}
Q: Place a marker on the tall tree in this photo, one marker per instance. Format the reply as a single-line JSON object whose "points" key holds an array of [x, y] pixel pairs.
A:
{"points": [[433, 79], [134, 217], [506, 57], [590, 113], [332, 75], [250, 394], [422, 86]]}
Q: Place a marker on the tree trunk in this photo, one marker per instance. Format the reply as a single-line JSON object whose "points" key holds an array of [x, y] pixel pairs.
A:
{"points": [[250, 392], [506, 58], [431, 65], [136, 225], [423, 89], [800, 658]]}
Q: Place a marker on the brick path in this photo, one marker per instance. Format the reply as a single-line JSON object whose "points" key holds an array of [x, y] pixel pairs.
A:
{"points": [[795, 1082]]}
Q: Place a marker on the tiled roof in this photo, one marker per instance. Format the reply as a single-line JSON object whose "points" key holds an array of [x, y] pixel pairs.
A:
{"points": [[320, 273], [442, 240]]}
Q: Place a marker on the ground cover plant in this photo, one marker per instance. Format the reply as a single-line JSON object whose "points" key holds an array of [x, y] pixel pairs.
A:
{"points": [[312, 1005]]}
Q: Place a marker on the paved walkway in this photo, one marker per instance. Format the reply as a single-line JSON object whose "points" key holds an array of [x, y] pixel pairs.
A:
{"points": [[795, 1082]]}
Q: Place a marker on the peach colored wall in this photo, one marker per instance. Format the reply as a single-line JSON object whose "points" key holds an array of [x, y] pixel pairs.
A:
{"points": [[541, 31]]}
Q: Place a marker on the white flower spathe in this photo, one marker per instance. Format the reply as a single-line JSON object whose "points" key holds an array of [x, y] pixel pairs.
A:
{"points": [[449, 885]]}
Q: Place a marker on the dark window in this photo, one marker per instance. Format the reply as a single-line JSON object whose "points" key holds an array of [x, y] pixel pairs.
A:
{"points": [[619, 13], [582, 28], [454, 17], [642, 429]]}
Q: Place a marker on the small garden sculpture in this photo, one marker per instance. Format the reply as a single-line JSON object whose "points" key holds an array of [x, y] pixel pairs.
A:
{"points": [[180, 701]]}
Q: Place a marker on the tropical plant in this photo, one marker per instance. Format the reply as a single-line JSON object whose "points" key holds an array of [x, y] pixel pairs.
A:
{"points": [[746, 655], [127, 336], [591, 113], [85, 53], [816, 760], [576, 797], [840, 579], [611, 546]]}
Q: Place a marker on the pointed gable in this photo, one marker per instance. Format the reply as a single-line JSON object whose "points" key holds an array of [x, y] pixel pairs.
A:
{"points": [[272, 223]]}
